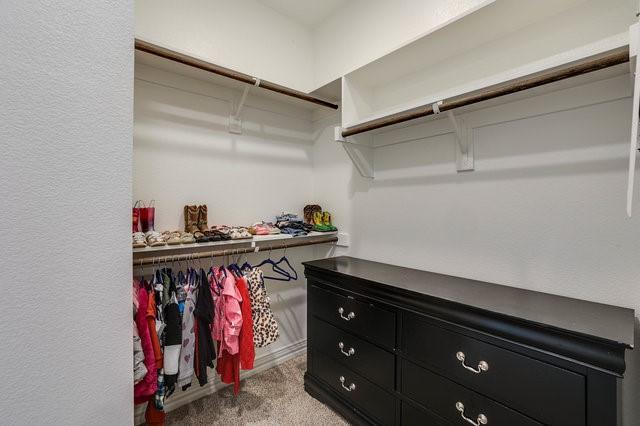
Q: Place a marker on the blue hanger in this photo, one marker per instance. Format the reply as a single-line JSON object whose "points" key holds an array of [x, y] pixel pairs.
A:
{"points": [[235, 269], [286, 261], [277, 269]]}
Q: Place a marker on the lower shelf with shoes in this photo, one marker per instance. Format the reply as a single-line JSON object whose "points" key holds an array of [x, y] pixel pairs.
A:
{"points": [[197, 229]]}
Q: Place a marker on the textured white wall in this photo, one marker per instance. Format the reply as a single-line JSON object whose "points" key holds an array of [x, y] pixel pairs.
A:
{"points": [[65, 168], [244, 35], [544, 209]]}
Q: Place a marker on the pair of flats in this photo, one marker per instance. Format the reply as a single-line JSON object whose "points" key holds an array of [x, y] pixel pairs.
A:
{"points": [[239, 233], [147, 239], [263, 228], [176, 237], [232, 232], [157, 239]]}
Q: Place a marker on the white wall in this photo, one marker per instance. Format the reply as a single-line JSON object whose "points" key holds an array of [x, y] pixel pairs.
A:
{"points": [[332, 177], [243, 35], [184, 154], [544, 209], [65, 133]]}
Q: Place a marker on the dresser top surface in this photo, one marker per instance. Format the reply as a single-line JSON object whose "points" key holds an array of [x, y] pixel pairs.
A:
{"points": [[602, 321]]}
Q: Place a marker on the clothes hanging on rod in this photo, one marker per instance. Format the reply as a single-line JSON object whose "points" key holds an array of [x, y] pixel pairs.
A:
{"points": [[191, 319], [233, 328], [146, 387], [265, 327]]}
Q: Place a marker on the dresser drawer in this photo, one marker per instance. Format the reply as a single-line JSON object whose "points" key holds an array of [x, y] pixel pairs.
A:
{"points": [[540, 390], [360, 392], [412, 416], [355, 316], [452, 401], [364, 358]]}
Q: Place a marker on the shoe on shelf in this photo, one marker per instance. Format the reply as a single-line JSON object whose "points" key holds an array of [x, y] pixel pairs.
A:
{"points": [[172, 237], [322, 222], [147, 217], [135, 217], [155, 239], [187, 238], [203, 225], [318, 225], [309, 211], [191, 217], [269, 227], [138, 240], [326, 221], [259, 228], [239, 233], [221, 232]]}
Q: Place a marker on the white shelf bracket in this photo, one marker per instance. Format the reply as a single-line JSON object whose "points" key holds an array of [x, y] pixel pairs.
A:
{"points": [[360, 155], [235, 121], [464, 139]]}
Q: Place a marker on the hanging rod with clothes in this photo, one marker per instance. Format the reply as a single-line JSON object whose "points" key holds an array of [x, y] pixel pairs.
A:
{"points": [[172, 55], [267, 245], [572, 69]]}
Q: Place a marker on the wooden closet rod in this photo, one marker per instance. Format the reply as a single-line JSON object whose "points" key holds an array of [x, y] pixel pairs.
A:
{"points": [[572, 69], [230, 252], [154, 49]]}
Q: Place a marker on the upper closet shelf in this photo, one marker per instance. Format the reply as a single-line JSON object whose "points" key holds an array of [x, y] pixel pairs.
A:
{"points": [[503, 41], [606, 60], [181, 63], [504, 52]]}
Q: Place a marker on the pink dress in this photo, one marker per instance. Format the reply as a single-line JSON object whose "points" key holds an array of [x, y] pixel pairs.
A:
{"points": [[227, 322]]}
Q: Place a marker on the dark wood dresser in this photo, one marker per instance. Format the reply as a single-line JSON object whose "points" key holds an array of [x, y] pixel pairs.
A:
{"points": [[390, 345]]}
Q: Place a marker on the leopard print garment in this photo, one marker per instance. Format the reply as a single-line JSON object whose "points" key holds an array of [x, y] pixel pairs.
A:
{"points": [[265, 327]]}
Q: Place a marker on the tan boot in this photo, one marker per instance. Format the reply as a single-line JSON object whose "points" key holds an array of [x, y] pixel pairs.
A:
{"points": [[202, 219], [191, 214]]}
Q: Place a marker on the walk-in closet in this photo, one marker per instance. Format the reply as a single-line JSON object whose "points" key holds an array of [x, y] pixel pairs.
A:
{"points": [[339, 212]]}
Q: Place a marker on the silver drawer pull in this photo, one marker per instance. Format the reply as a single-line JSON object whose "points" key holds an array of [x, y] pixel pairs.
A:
{"points": [[349, 388], [481, 420], [351, 315], [482, 365], [350, 352]]}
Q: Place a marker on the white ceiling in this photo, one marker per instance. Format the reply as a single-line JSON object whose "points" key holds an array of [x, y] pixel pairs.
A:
{"points": [[306, 12]]}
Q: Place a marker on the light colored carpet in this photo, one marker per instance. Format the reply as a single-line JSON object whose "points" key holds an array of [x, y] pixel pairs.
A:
{"points": [[274, 397]]}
